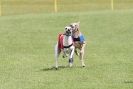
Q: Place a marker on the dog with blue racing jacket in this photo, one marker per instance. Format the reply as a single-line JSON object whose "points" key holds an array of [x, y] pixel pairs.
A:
{"points": [[79, 41]]}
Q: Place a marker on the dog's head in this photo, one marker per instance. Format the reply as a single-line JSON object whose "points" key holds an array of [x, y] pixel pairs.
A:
{"points": [[68, 30], [75, 26]]}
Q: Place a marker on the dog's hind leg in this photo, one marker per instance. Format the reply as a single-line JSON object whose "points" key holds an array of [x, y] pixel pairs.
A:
{"points": [[57, 52]]}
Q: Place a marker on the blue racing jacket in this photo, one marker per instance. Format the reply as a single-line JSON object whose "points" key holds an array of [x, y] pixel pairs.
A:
{"points": [[80, 38]]}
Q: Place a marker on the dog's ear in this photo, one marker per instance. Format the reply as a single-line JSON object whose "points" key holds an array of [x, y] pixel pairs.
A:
{"points": [[77, 25], [65, 28]]}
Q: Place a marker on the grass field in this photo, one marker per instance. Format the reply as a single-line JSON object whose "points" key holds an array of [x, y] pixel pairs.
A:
{"points": [[27, 51]]}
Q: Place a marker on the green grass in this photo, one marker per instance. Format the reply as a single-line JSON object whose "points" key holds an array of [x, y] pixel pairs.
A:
{"points": [[27, 51]]}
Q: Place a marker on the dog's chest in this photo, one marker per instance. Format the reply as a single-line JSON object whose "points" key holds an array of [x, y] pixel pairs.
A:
{"points": [[67, 40]]}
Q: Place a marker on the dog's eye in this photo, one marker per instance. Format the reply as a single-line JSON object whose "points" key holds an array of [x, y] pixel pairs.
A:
{"points": [[72, 26]]}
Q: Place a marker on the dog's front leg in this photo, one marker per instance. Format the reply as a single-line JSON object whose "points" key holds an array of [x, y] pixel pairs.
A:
{"points": [[71, 56], [82, 55], [76, 52]]}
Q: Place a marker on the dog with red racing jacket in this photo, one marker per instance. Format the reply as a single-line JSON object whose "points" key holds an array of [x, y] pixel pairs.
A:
{"points": [[65, 45]]}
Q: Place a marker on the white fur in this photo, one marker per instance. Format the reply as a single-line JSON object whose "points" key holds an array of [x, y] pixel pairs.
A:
{"points": [[67, 40]]}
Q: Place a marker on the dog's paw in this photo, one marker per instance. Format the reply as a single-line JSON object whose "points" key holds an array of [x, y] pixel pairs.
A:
{"points": [[83, 65], [70, 65], [56, 68], [64, 55]]}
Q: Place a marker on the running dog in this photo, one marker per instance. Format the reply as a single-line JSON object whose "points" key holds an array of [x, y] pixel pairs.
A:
{"points": [[65, 45], [79, 41]]}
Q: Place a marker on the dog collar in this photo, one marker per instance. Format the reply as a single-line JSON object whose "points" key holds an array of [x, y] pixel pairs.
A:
{"points": [[68, 46]]}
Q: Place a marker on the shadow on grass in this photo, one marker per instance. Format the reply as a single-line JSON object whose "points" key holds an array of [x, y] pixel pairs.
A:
{"points": [[59, 68], [54, 69]]}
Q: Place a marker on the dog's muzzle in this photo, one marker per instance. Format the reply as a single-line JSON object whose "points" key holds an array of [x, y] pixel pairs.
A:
{"points": [[68, 33]]}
